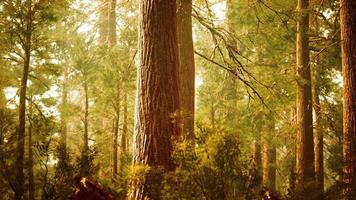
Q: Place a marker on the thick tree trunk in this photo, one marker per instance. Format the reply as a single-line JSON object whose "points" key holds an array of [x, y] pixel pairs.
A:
{"points": [[157, 120], [31, 181], [305, 143], [20, 146], [269, 159], [186, 65], [348, 48]]}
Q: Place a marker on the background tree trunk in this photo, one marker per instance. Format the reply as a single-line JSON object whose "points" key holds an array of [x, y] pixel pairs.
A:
{"points": [[348, 44], [31, 181], [86, 115], [103, 21], [318, 140], [20, 146], [63, 140], [257, 151], [186, 65], [269, 160], [115, 143], [318, 131], [292, 174], [124, 133], [112, 23], [157, 120], [305, 143]]}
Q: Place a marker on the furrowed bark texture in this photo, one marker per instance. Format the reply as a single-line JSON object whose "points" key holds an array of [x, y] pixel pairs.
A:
{"points": [[157, 120], [186, 65], [305, 143], [348, 48]]}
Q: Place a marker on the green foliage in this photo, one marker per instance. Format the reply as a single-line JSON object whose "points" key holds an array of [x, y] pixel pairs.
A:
{"points": [[216, 169]]}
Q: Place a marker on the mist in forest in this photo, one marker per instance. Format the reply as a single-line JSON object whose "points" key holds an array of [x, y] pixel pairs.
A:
{"points": [[177, 99]]}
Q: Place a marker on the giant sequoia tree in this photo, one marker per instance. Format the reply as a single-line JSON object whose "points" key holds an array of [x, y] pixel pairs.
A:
{"points": [[157, 119], [348, 48]]}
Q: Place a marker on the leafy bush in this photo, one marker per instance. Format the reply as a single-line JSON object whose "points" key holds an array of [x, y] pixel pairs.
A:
{"points": [[214, 170]]}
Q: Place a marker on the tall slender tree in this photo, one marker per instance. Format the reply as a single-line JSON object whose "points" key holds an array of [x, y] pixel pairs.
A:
{"points": [[26, 37], [31, 179], [305, 145], [269, 157], [318, 132], [318, 139], [157, 118], [348, 44], [257, 150], [86, 115], [124, 131], [186, 65]]}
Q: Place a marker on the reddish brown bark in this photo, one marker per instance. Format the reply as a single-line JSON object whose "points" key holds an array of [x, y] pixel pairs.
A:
{"points": [[186, 65], [157, 121], [305, 143], [348, 48]]}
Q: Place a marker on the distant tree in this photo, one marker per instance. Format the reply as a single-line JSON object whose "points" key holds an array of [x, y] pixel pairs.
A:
{"points": [[186, 65], [269, 156], [26, 23]]}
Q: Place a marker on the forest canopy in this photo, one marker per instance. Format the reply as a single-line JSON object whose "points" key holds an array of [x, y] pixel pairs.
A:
{"points": [[178, 99]]}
